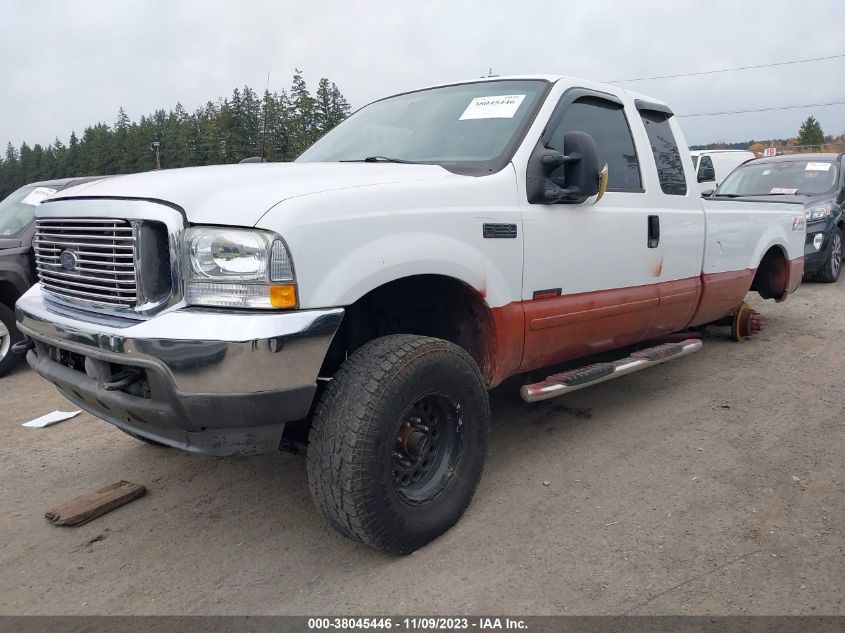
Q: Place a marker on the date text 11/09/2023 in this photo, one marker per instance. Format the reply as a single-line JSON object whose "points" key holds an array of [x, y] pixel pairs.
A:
{"points": [[417, 624]]}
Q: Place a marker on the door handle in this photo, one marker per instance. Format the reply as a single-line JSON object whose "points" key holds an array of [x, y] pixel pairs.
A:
{"points": [[653, 231]]}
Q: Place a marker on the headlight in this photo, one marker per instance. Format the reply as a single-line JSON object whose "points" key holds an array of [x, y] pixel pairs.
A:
{"points": [[237, 268], [819, 212]]}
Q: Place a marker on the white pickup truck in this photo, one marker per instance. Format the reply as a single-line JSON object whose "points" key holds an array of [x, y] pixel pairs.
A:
{"points": [[363, 299]]}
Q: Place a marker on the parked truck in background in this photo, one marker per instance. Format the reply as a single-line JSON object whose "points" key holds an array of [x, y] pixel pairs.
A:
{"points": [[712, 166], [17, 263], [370, 294]]}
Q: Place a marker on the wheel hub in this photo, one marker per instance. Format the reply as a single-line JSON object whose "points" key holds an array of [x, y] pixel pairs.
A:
{"points": [[427, 447], [746, 322]]}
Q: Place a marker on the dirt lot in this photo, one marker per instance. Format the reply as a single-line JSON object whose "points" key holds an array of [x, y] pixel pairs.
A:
{"points": [[713, 485]]}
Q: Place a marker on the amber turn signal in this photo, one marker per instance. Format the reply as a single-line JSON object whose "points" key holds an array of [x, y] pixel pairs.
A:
{"points": [[283, 296]]}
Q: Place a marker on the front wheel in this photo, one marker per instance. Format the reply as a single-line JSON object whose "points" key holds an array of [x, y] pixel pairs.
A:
{"points": [[829, 273], [9, 335], [398, 442]]}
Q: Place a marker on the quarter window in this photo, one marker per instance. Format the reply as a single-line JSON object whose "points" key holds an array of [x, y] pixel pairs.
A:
{"points": [[606, 123], [670, 170]]}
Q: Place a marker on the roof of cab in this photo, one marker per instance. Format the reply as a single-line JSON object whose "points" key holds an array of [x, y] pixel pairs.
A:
{"points": [[579, 81]]}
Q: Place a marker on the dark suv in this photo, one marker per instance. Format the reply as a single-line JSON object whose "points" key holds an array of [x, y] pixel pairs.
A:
{"points": [[816, 180], [17, 263]]}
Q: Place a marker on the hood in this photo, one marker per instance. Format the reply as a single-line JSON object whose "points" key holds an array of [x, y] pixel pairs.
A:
{"points": [[241, 194], [806, 200]]}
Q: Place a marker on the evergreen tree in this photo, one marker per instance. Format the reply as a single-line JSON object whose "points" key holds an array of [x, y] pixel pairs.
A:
{"points": [[810, 132], [303, 119], [222, 131], [339, 109]]}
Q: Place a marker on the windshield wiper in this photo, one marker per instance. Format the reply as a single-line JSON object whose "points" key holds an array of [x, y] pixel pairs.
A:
{"points": [[752, 195], [379, 159]]}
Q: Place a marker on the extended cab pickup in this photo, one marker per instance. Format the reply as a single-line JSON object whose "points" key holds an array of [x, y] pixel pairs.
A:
{"points": [[368, 295]]}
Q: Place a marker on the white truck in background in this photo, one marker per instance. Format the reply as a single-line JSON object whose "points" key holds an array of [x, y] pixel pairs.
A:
{"points": [[366, 297], [713, 165]]}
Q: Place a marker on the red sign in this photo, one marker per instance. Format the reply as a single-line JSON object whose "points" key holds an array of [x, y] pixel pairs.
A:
{"points": [[770, 151]]}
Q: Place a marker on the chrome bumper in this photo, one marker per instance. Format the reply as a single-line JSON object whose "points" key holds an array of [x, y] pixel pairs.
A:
{"points": [[204, 370]]}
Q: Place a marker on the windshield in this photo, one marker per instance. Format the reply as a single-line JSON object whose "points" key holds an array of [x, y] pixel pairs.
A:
{"points": [[469, 125], [793, 177], [18, 209]]}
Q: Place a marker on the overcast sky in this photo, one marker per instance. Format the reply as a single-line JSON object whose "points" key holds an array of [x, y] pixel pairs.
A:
{"points": [[66, 65]]}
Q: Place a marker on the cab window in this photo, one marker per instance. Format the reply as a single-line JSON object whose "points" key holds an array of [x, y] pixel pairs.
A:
{"points": [[667, 156], [606, 123]]}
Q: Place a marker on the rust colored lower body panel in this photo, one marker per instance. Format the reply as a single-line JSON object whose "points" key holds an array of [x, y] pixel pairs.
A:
{"points": [[542, 332], [722, 294], [572, 326], [509, 339], [794, 277]]}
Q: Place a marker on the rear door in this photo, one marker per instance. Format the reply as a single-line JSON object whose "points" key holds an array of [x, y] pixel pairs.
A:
{"points": [[676, 203]]}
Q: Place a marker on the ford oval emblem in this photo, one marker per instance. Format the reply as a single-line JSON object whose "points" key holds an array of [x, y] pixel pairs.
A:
{"points": [[68, 260]]}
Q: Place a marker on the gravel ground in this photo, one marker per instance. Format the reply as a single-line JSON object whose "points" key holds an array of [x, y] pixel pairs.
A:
{"points": [[713, 485]]}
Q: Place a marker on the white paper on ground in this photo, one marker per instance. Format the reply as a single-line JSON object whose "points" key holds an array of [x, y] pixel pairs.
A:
{"points": [[50, 418], [497, 107]]}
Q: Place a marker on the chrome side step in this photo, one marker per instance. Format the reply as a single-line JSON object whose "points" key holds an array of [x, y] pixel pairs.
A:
{"points": [[574, 379]]}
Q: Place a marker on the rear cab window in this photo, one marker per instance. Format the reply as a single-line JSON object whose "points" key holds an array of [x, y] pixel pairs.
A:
{"points": [[667, 156]]}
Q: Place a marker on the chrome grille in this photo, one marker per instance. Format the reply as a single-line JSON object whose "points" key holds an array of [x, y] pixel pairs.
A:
{"points": [[101, 268]]}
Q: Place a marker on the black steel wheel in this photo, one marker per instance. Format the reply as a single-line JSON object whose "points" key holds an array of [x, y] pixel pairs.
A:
{"points": [[398, 442], [429, 441]]}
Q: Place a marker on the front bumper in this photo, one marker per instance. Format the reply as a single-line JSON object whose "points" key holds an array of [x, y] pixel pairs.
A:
{"points": [[215, 382]]}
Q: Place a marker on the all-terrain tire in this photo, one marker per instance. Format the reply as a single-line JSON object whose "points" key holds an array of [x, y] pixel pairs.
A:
{"points": [[364, 470], [829, 273], [7, 359]]}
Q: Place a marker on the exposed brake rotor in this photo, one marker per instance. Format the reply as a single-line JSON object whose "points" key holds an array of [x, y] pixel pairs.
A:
{"points": [[746, 322]]}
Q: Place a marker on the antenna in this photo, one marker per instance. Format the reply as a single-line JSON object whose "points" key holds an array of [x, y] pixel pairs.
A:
{"points": [[264, 125]]}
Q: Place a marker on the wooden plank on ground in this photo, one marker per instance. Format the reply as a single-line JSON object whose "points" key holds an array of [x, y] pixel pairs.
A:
{"points": [[94, 504]]}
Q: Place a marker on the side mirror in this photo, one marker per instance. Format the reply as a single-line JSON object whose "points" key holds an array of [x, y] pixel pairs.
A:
{"points": [[707, 193], [574, 178]]}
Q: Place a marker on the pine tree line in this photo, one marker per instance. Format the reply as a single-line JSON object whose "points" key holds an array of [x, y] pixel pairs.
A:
{"points": [[222, 131]]}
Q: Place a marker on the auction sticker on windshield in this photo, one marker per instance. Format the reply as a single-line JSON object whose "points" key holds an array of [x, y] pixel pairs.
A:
{"points": [[817, 167], [497, 107], [783, 191], [38, 195]]}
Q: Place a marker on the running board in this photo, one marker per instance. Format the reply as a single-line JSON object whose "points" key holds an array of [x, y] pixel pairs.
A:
{"points": [[574, 379]]}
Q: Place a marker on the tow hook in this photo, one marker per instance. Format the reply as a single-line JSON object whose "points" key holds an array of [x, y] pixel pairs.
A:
{"points": [[122, 379], [22, 347], [746, 322]]}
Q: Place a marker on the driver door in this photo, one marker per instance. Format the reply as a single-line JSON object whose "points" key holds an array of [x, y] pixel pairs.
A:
{"points": [[589, 270]]}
